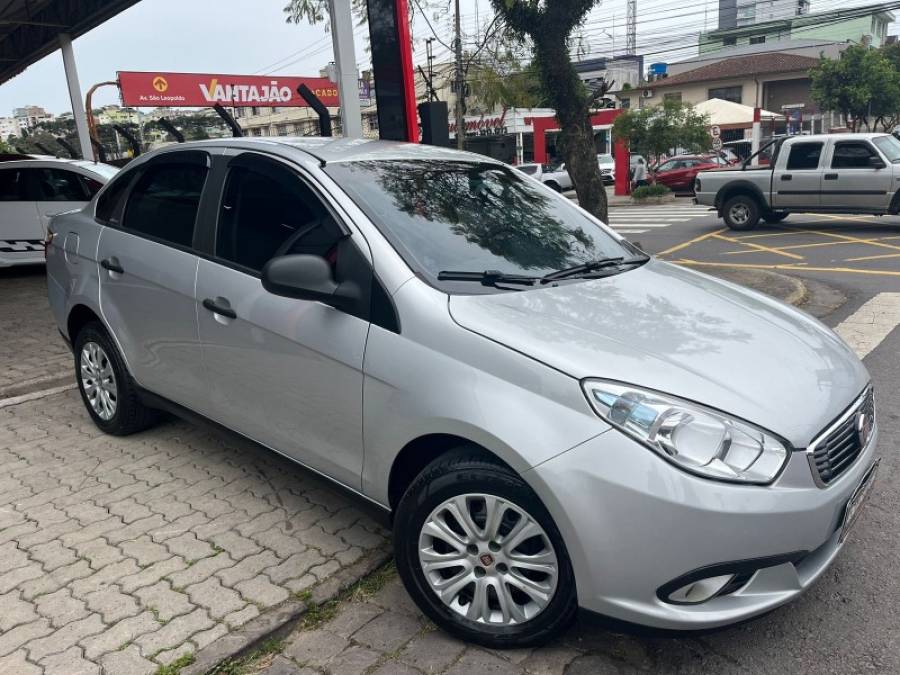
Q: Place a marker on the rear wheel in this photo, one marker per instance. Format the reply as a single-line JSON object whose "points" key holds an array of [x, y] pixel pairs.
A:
{"points": [[480, 554], [741, 212], [775, 217], [108, 392]]}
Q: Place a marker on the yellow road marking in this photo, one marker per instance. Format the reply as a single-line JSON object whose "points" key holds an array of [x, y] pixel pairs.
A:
{"points": [[874, 257], [760, 248], [796, 246], [789, 266], [870, 242], [695, 240], [769, 234]]}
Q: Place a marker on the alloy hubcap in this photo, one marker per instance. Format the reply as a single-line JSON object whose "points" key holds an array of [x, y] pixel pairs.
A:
{"points": [[740, 214], [98, 380], [488, 559]]}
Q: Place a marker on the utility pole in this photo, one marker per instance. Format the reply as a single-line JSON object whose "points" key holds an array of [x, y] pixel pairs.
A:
{"points": [[631, 28], [460, 87]]}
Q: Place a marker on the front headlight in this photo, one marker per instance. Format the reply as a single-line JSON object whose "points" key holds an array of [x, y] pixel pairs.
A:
{"points": [[702, 441]]}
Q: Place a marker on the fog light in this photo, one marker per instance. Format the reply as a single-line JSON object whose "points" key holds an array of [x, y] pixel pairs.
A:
{"points": [[700, 590]]}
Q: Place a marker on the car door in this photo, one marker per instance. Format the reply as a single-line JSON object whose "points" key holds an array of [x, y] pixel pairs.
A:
{"points": [[21, 233], [797, 178], [148, 269], [665, 172], [851, 182], [58, 190], [284, 372]]}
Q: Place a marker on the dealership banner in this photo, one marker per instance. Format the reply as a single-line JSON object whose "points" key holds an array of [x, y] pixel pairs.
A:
{"points": [[157, 89]]}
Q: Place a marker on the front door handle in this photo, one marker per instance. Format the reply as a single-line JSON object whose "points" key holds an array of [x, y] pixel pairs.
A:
{"points": [[112, 265], [221, 310], [786, 176], [831, 176]]}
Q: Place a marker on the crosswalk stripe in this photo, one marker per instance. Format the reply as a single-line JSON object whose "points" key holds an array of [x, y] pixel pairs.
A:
{"points": [[651, 225], [865, 329], [671, 219], [628, 231]]}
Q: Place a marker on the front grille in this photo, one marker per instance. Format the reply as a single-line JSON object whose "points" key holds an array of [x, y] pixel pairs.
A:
{"points": [[835, 453]]}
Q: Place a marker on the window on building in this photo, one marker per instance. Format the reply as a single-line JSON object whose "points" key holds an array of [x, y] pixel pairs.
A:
{"points": [[625, 103], [673, 96], [804, 156], [254, 110], [729, 41], [281, 129], [164, 202], [852, 155], [757, 39], [726, 93], [269, 213], [373, 122]]}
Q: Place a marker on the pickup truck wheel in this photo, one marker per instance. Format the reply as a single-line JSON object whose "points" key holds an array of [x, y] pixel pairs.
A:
{"points": [[741, 212], [553, 185], [775, 217]]}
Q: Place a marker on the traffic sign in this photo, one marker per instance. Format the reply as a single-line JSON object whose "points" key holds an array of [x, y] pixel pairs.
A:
{"points": [[715, 131], [717, 144]]}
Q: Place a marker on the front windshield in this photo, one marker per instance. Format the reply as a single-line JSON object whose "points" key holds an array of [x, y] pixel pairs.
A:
{"points": [[473, 216], [604, 159], [889, 146]]}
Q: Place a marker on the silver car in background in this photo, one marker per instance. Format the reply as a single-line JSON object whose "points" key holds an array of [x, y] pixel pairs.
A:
{"points": [[551, 418]]}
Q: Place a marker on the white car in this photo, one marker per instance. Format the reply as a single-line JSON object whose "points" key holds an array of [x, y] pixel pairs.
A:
{"points": [[558, 179], [33, 190]]}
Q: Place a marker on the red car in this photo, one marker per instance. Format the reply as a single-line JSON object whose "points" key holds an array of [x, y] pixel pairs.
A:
{"points": [[679, 172]]}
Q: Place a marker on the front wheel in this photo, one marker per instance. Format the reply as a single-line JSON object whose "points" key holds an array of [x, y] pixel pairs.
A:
{"points": [[480, 554], [775, 217], [741, 212]]}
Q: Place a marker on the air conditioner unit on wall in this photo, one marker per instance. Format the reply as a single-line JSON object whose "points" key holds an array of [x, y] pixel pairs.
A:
{"points": [[647, 93]]}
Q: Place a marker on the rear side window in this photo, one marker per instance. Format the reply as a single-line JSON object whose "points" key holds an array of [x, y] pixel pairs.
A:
{"points": [[12, 185], [163, 204], [853, 155], [108, 202], [804, 156], [59, 185]]}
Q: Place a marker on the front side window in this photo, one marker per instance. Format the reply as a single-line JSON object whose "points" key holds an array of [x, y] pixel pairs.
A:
{"points": [[108, 202], [852, 155], [12, 185], [804, 156], [530, 169], [270, 213], [59, 185], [164, 202], [473, 216]]}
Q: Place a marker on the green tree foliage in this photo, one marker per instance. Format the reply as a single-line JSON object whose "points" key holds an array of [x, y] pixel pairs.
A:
{"points": [[548, 25], [504, 82], [663, 128], [863, 85]]}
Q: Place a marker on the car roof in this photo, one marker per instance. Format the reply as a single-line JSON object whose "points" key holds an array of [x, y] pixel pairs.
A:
{"points": [[45, 160], [332, 150]]}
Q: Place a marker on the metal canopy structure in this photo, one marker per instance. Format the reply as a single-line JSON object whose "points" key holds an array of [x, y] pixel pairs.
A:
{"points": [[30, 29]]}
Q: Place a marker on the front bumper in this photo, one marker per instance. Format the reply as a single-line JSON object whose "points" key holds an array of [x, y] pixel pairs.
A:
{"points": [[633, 523]]}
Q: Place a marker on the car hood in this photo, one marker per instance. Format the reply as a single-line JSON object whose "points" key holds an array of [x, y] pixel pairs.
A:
{"points": [[681, 332]]}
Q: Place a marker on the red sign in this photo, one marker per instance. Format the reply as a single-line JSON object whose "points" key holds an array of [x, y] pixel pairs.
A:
{"points": [[204, 90]]}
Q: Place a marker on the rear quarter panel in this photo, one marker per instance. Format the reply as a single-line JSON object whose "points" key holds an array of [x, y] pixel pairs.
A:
{"points": [[72, 272]]}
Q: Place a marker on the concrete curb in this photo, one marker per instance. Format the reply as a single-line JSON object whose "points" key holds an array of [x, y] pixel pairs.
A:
{"points": [[280, 620]]}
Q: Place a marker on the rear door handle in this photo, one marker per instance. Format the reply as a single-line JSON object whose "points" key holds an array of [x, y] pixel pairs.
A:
{"points": [[112, 265], [831, 176], [786, 176], [221, 310]]}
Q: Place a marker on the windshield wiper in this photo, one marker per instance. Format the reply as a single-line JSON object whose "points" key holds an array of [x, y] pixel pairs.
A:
{"points": [[488, 277], [590, 266]]}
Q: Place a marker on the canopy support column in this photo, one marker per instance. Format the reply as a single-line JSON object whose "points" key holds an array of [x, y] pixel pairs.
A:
{"points": [[345, 65], [81, 125]]}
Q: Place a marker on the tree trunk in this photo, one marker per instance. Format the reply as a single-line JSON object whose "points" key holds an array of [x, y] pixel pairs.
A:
{"points": [[568, 96]]}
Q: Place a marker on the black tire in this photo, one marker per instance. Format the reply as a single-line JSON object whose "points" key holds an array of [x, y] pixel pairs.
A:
{"points": [[553, 185], [741, 204], [775, 217], [130, 414], [466, 471]]}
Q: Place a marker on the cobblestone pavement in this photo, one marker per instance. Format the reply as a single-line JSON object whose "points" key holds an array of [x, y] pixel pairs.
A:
{"points": [[31, 350], [123, 554]]}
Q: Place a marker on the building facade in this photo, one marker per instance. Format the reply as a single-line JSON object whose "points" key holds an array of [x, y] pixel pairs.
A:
{"points": [[737, 13], [9, 126], [30, 116]]}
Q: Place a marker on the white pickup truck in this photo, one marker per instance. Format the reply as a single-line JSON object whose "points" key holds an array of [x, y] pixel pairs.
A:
{"points": [[830, 173]]}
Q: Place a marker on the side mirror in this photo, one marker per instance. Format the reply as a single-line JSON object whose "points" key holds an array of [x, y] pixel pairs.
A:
{"points": [[306, 277], [876, 163]]}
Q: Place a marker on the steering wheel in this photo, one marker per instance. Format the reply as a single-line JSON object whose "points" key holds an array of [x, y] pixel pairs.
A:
{"points": [[301, 232]]}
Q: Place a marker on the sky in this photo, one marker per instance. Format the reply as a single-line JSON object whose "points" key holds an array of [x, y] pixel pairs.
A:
{"points": [[251, 37]]}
